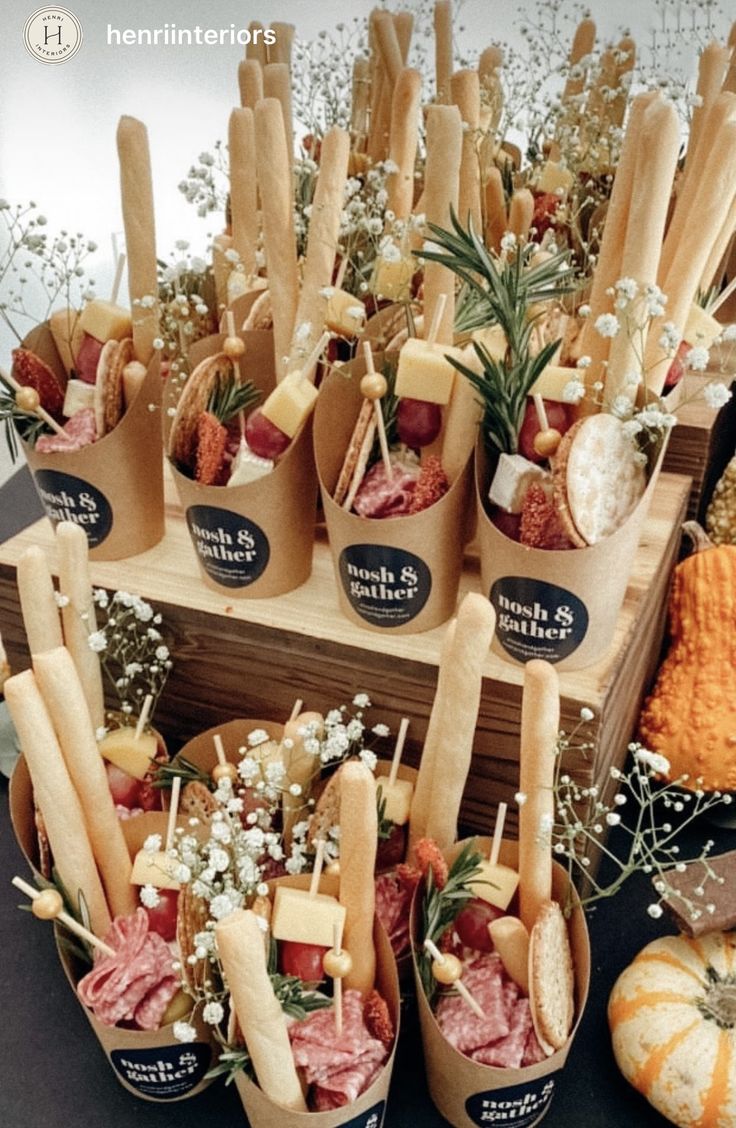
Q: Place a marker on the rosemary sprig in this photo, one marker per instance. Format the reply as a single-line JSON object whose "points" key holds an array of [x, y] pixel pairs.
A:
{"points": [[385, 826], [17, 422], [229, 398], [440, 907], [179, 766]]}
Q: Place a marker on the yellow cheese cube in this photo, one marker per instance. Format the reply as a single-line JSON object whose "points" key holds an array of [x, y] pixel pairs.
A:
{"points": [[424, 373], [67, 333], [78, 394], [304, 919], [397, 798], [121, 748], [514, 475], [392, 277], [555, 179], [552, 381], [493, 340], [105, 321], [154, 867], [701, 329], [345, 314], [495, 884], [290, 403]]}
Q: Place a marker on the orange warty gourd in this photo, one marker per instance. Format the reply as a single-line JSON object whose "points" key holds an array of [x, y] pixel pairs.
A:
{"points": [[690, 716], [672, 1015]]}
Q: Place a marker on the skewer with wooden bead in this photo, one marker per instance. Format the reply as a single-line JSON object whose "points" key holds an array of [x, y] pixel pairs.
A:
{"points": [[28, 400], [447, 970], [398, 751], [47, 904], [223, 769], [337, 963], [547, 439], [374, 387]]}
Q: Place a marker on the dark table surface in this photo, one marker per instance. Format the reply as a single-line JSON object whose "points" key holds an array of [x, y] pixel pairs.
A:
{"points": [[54, 1075]]}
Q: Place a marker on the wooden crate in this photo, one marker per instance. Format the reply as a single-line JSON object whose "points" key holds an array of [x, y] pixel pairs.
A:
{"points": [[702, 442], [254, 657]]}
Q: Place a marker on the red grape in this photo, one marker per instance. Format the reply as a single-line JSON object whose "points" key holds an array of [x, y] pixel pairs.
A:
{"points": [[263, 437], [87, 359], [125, 790], [162, 919], [471, 924], [557, 417], [418, 423], [302, 960], [149, 797], [506, 523], [391, 850]]}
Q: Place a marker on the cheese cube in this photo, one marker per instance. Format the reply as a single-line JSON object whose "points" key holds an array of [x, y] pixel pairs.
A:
{"points": [[345, 314], [67, 333], [105, 321], [154, 867], [424, 373], [495, 884], [493, 340], [133, 756], [701, 329], [290, 403], [304, 919], [552, 381], [392, 277], [514, 474], [78, 395], [397, 798], [248, 467], [555, 179]]}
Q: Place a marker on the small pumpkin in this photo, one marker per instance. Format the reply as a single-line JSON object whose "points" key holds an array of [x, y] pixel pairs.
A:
{"points": [[720, 520], [690, 716], [672, 1015]]}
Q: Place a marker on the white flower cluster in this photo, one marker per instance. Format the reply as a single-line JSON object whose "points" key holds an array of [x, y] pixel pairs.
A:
{"points": [[132, 652]]}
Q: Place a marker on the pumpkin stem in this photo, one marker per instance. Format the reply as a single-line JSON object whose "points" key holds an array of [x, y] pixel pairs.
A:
{"points": [[719, 1004], [699, 537]]}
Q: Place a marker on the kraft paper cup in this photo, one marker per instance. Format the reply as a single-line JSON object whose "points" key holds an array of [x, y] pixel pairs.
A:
{"points": [[254, 540], [112, 488], [20, 798], [200, 750], [369, 1110], [150, 1064], [561, 606], [398, 574], [468, 1094]]}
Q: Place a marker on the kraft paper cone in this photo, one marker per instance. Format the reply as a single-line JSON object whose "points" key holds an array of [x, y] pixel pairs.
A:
{"points": [[381, 329], [200, 750], [20, 798], [560, 606], [369, 1110], [254, 540], [114, 487], [468, 1094], [150, 1064], [399, 574]]}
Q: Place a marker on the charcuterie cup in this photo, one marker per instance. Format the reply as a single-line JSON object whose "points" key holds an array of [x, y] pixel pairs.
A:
{"points": [[254, 540], [561, 606], [113, 488], [398, 574], [469, 1094]]}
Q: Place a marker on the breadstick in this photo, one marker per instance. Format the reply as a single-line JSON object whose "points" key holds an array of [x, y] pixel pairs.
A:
{"points": [[712, 70], [655, 171], [250, 82], [277, 84], [301, 768], [241, 947], [243, 188], [38, 601], [404, 24], [540, 722], [405, 111], [458, 715], [441, 182], [273, 166], [608, 267], [712, 272], [521, 213], [596, 109], [257, 48], [324, 228], [221, 267], [62, 692], [360, 102], [465, 91], [495, 213], [460, 428], [511, 940], [78, 615], [625, 63], [56, 798], [711, 205], [583, 43], [280, 51], [388, 46], [422, 797], [358, 842], [136, 194], [380, 131], [443, 48]]}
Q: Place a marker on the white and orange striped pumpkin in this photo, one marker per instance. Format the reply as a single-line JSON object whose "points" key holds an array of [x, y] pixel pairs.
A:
{"points": [[672, 1015]]}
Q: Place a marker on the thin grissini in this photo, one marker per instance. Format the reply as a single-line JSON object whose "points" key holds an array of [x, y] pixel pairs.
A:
{"points": [[625, 63], [582, 46], [405, 111], [716, 263], [712, 70], [422, 797], [388, 45], [257, 48], [521, 213], [459, 428], [441, 184], [540, 723], [496, 220], [38, 601], [136, 195], [443, 54], [360, 101], [78, 615], [277, 84], [250, 83], [404, 24], [465, 90], [280, 51], [244, 188], [358, 843]]}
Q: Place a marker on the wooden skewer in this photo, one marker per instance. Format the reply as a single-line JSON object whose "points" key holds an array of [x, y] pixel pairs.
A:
{"points": [[219, 748], [340, 276], [380, 425], [69, 921], [173, 812], [307, 370], [439, 312], [143, 718], [337, 981], [498, 833], [317, 871], [457, 984], [723, 297], [541, 411], [39, 411], [119, 267], [298, 706], [398, 750]]}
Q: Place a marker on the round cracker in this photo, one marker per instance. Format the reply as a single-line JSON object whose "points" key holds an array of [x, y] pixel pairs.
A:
{"points": [[551, 979], [103, 367], [114, 399], [604, 479]]}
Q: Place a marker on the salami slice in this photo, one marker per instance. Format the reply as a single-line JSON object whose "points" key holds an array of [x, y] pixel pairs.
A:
{"points": [[380, 496], [80, 428], [393, 901], [32, 372], [508, 1052], [462, 1028]]}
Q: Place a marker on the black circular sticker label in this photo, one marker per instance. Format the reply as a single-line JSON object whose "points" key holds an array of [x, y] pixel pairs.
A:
{"points": [[373, 1118], [166, 1072], [66, 498], [232, 550], [517, 1105], [386, 586], [535, 619]]}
